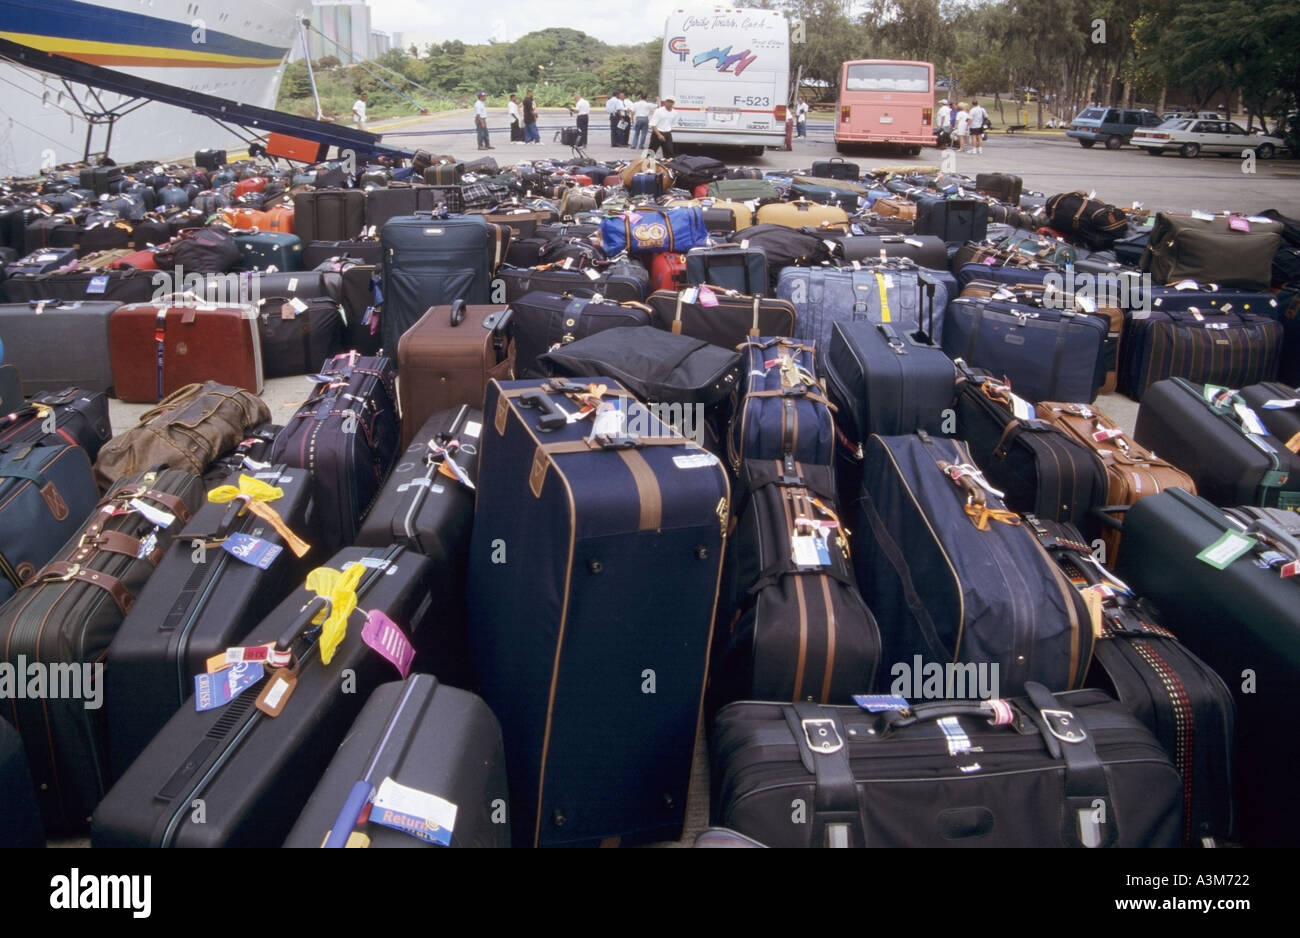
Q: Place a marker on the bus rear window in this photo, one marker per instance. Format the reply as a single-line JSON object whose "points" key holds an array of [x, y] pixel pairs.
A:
{"points": [[888, 78]]}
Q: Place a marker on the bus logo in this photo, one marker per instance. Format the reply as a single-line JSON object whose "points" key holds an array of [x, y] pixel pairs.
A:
{"points": [[677, 45], [725, 59]]}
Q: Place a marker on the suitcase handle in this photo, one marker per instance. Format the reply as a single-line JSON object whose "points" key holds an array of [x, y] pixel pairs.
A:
{"points": [[552, 417], [458, 311], [301, 623]]}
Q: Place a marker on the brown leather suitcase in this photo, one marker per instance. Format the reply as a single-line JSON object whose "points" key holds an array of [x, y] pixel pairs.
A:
{"points": [[1132, 472], [447, 359], [156, 349], [895, 207], [521, 222], [802, 214]]}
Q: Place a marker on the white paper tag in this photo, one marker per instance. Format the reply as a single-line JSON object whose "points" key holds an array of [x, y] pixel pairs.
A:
{"points": [[293, 284], [298, 305], [164, 519], [958, 741], [805, 551], [1250, 420], [1202, 216], [695, 461], [1085, 303], [1187, 285], [591, 273], [438, 814], [1021, 408], [1281, 405], [251, 463], [473, 428]]}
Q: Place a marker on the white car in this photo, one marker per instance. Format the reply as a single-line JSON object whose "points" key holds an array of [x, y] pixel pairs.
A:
{"points": [[1191, 136]]}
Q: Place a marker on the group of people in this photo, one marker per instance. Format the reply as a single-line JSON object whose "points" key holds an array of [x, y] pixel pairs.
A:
{"points": [[966, 125], [635, 124]]}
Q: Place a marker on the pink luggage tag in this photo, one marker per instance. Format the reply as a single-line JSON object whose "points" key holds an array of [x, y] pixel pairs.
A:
{"points": [[386, 637], [1238, 223], [708, 299]]}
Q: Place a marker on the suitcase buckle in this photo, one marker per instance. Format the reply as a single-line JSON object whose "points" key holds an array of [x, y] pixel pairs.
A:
{"points": [[821, 735], [66, 577], [1063, 725]]}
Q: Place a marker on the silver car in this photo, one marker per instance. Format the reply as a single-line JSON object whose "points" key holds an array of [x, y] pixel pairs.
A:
{"points": [[1191, 136]]}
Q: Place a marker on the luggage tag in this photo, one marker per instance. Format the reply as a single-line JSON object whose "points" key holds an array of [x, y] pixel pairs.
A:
{"points": [[1281, 405], [257, 654], [708, 299], [690, 295], [163, 519], [1106, 434], [98, 284], [251, 463], [1250, 420], [411, 811], [386, 637], [1293, 444], [881, 703], [611, 421], [279, 688], [148, 544], [251, 550], [1231, 546], [1237, 223], [217, 690], [452, 470], [1202, 216]]}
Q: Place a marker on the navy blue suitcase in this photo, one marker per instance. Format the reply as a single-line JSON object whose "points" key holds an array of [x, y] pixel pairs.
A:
{"points": [[1002, 273], [836, 168], [263, 250], [42, 261], [826, 195], [729, 266], [1047, 354], [952, 219], [594, 573], [431, 261], [780, 409]]}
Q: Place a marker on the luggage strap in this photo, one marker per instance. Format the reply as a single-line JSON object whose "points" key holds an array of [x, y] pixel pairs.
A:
{"points": [[823, 749], [63, 571], [160, 341], [884, 297]]}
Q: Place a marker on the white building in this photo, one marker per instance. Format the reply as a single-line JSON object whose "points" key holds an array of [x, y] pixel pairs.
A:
{"points": [[345, 25]]}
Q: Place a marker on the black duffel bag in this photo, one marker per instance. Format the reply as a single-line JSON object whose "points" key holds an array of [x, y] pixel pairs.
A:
{"points": [[201, 250], [1095, 223]]}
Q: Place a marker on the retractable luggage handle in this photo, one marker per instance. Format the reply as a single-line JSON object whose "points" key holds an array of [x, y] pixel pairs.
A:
{"points": [[837, 817]]}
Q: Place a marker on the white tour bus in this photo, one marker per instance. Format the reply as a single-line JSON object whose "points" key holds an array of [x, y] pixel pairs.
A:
{"points": [[728, 73]]}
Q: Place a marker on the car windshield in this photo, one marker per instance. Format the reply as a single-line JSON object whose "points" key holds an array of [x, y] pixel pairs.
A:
{"points": [[1091, 114], [888, 78], [1175, 123]]}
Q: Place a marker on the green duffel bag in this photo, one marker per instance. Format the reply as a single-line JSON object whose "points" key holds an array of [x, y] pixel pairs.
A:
{"points": [[1232, 251], [1040, 247], [744, 190], [840, 185]]}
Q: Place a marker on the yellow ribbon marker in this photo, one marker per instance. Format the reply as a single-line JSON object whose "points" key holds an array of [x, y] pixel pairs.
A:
{"points": [[341, 591], [256, 494]]}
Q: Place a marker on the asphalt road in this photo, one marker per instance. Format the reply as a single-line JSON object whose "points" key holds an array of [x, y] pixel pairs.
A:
{"points": [[1048, 162]]}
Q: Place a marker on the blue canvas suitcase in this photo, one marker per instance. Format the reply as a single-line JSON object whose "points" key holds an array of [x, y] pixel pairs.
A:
{"points": [[823, 296], [780, 409], [952, 219], [572, 619], [42, 261]]}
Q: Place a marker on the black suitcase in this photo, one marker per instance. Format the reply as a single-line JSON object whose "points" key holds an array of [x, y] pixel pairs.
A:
{"points": [[210, 159], [414, 736], [590, 535], [927, 250], [1003, 186], [201, 601], [952, 219], [249, 453], [780, 410], [20, 821], [315, 253], [836, 168], [67, 416], [797, 628], [427, 504], [298, 333], [1038, 467], [329, 214], [1054, 770], [617, 287], [233, 776], [544, 321], [347, 435], [1175, 694], [384, 203], [67, 614], [361, 294], [952, 576], [432, 261], [1238, 615], [732, 320], [1200, 429], [1276, 405], [46, 492], [729, 266], [91, 286]]}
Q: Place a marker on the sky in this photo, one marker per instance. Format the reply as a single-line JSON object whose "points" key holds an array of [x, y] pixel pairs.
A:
{"points": [[617, 22]]}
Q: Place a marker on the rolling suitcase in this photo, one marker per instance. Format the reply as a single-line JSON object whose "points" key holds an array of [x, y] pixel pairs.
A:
{"points": [[20, 821], [1054, 770], [329, 214], [1046, 354], [1038, 467], [244, 766], [952, 219], [729, 266], [1132, 471], [817, 190], [1175, 694], [802, 213], [346, 434], [203, 598], [1214, 436], [824, 296], [668, 272], [836, 168], [447, 359], [67, 416], [603, 528], [35, 337], [384, 203], [543, 321], [1237, 614], [991, 595], [46, 492], [418, 735], [780, 410], [431, 261], [67, 614], [731, 319], [156, 349], [797, 626]]}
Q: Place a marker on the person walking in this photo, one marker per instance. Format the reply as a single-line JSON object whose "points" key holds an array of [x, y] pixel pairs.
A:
{"points": [[530, 119], [979, 119], [641, 111], [516, 124], [480, 121], [359, 111], [582, 109], [801, 118], [961, 128], [661, 129]]}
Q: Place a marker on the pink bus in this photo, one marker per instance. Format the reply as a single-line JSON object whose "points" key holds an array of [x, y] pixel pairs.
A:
{"points": [[885, 101]]}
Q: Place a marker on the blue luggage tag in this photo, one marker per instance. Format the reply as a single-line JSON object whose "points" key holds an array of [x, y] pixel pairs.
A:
{"points": [[251, 550], [98, 284], [879, 703], [217, 690]]}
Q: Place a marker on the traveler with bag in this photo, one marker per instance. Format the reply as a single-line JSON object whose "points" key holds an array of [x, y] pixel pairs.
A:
{"points": [[582, 109], [661, 128], [516, 126], [480, 121], [641, 111], [614, 110], [530, 120]]}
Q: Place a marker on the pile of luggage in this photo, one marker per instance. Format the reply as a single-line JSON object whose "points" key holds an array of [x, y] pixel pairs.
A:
{"points": [[594, 453]]}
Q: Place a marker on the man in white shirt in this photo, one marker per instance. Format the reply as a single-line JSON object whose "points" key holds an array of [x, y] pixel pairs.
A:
{"points": [[661, 128], [359, 112], [801, 118], [480, 121], [979, 119], [614, 111], [641, 111], [516, 120], [583, 110]]}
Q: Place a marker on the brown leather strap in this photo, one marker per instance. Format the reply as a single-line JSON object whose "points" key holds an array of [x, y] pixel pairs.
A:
{"points": [[115, 542], [62, 570], [806, 396]]}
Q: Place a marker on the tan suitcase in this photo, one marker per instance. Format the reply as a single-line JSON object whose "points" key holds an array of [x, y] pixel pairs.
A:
{"points": [[802, 214], [895, 207], [447, 358]]}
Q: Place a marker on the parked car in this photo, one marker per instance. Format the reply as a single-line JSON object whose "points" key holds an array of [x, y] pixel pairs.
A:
{"points": [[1191, 137], [1109, 125], [1191, 115]]}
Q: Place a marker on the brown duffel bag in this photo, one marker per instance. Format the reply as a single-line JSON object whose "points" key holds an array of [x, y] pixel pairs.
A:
{"points": [[895, 207], [187, 430], [1132, 472]]}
